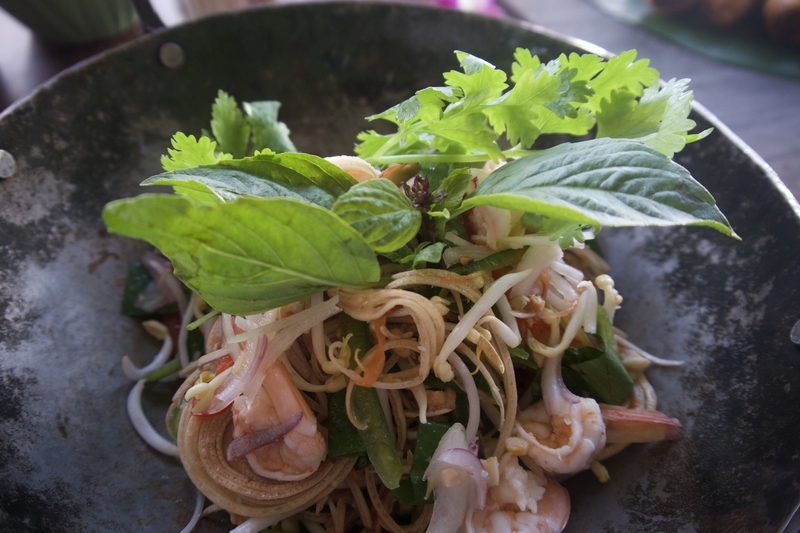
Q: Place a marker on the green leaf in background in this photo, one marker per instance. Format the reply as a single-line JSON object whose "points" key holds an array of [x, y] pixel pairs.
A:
{"points": [[381, 213], [660, 119], [250, 254], [266, 175], [598, 370], [229, 125], [268, 132], [608, 182], [188, 152]]}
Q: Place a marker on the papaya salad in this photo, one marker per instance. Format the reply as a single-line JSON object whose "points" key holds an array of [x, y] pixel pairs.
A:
{"points": [[420, 336]]}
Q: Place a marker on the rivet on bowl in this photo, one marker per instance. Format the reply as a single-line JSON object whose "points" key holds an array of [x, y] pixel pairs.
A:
{"points": [[7, 164], [171, 55]]}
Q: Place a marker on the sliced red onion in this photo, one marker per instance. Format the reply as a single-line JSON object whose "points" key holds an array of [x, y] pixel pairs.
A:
{"points": [[454, 502], [236, 382], [241, 446], [449, 509], [469, 466]]}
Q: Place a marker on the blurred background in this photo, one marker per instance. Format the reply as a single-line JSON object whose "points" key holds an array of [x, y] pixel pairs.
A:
{"points": [[743, 56]]}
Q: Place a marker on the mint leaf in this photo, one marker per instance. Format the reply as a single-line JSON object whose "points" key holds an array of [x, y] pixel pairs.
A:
{"points": [[609, 182], [229, 125], [250, 254], [268, 132], [381, 213], [266, 175], [188, 152]]}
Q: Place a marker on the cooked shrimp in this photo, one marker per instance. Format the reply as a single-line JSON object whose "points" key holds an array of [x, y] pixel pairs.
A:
{"points": [[488, 224], [524, 501], [359, 169], [300, 452], [563, 432]]}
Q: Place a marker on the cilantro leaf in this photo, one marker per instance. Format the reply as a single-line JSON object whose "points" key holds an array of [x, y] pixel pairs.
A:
{"points": [[189, 152], [268, 131], [622, 73], [229, 125], [659, 119]]}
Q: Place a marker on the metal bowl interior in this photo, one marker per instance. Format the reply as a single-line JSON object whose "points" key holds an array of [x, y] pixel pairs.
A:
{"points": [[70, 460]]}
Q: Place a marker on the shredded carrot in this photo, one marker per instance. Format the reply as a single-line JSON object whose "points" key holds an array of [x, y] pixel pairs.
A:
{"points": [[225, 362], [374, 367]]}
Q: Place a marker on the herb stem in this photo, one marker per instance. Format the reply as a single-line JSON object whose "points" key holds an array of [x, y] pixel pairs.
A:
{"points": [[513, 153]]}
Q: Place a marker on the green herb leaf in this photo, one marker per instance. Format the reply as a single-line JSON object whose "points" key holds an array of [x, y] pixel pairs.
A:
{"points": [[501, 259], [266, 175], [229, 125], [343, 440], [622, 73], [188, 152], [381, 213], [563, 231], [268, 132], [608, 182], [431, 253], [598, 370], [367, 410], [659, 119], [250, 254]]}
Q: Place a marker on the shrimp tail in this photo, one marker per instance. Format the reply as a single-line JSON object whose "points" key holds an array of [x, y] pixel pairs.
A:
{"points": [[638, 425]]}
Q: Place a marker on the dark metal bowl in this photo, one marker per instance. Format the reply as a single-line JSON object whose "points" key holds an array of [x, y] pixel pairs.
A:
{"points": [[69, 460]]}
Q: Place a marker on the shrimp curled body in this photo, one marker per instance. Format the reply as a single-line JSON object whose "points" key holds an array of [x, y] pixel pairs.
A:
{"points": [[300, 452], [524, 501]]}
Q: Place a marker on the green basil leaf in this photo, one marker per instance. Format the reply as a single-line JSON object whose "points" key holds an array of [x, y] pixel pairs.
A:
{"points": [[381, 213], [250, 254], [598, 371], [266, 175], [609, 182]]}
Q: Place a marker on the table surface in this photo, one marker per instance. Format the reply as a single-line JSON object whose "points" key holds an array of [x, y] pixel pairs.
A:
{"points": [[762, 109]]}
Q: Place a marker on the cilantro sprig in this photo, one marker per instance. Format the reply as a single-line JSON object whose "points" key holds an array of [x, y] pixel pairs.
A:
{"points": [[480, 110]]}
